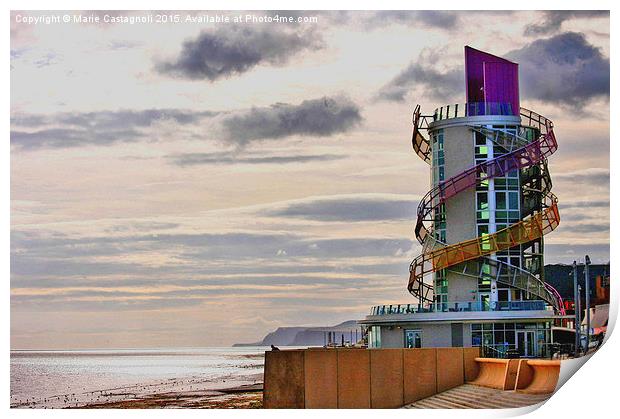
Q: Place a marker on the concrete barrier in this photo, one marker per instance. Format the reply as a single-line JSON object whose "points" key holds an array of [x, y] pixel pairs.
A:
{"points": [[386, 378], [283, 384], [492, 373], [321, 366], [537, 376], [419, 374], [471, 368], [362, 378], [496, 373], [353, 378], [449, 368]]}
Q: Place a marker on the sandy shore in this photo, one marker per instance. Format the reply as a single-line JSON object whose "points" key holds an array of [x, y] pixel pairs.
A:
{"points": [[192, 392], [241, 397]]}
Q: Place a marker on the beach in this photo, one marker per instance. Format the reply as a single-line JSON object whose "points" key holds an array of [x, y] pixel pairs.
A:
{"points": [[170, 378]]}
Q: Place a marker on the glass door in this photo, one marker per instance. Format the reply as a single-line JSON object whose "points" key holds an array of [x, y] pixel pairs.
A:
{"points": [[413, 338], [526, 343], [485, 301]]}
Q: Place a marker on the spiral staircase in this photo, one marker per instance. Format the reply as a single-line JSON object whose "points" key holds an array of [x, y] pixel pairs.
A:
{"points": [[527, 150]]}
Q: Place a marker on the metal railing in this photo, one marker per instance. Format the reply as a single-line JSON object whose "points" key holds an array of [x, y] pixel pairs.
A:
{"points": [[557, 350], [459, 306], [436, 255], [473, 109], [502, 350]]}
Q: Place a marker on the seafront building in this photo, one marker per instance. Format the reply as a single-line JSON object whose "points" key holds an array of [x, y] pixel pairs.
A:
{"points": [[480, 278]]}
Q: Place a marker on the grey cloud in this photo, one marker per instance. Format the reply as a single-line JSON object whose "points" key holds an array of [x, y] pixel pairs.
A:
{"points": [[26, 250], [203, 259], [61, 138], [587, 228], [349, 209], [233, 50], [291, 247], [111, 119], [248, 274], [553, 19], [566, 253], [316, 117], [47, 60], [194, 159], [584, 204], [58, 263], [590, 176], [116, 45], [345, 248], [441, 19], [563, 69], [93, 128], [141, 226], [53, 304], [441, 85]]}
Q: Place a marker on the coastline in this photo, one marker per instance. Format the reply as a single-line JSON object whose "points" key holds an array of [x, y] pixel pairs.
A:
{"points": [[247, 396], [141, 378], [191, 392]]}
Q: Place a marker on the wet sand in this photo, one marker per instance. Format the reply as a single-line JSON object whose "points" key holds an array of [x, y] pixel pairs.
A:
{"points": [[193, 392], [242, 397]]}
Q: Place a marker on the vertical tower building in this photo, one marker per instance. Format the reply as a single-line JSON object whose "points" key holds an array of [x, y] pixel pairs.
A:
{"points": [[479, 280]]}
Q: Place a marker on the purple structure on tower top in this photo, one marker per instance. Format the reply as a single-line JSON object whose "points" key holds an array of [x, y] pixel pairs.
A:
{"points": [[491, 79]]}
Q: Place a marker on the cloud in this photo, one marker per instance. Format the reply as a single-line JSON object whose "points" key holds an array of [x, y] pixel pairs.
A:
{"points": [[234, 50], [594, 176], [584, 204], [567, 252], [349, 209], [563, 69], [441, 19], [93, 128], [553, 20], [141, 226], [587, 228], [227, 157], [440, 85], [58, 251], [316, 117]]}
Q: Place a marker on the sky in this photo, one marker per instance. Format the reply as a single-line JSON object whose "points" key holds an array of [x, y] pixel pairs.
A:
{"points": [[199, 184]]}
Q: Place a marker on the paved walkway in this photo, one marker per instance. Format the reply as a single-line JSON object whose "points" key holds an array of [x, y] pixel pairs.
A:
{"points": [[469, 396]]}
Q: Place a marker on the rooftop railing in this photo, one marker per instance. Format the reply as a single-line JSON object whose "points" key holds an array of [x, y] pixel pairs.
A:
{"points": [[473, 109], [461, 306]]}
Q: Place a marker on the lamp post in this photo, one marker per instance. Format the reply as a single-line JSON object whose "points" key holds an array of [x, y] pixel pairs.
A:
{"points": [[576, 308], [586, 273]]}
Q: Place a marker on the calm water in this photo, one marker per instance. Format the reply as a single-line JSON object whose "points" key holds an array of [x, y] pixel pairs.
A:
{"points": [[41, 374]]}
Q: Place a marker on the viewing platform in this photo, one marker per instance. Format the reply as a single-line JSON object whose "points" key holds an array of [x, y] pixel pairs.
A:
{"points": [[462, 310]]}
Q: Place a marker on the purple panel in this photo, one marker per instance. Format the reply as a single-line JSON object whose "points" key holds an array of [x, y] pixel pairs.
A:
{"points": [[474, 77], [484, 71], [501, 83]]}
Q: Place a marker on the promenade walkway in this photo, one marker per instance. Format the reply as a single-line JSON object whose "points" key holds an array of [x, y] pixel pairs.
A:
{"points": [[469, 396]]}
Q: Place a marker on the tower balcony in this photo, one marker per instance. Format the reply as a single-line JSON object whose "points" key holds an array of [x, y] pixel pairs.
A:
{"points": [[460, 306], [464, 110], [465, 311]]}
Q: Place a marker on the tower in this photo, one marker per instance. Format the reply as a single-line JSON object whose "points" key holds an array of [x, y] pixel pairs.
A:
{"points": [[479, 280], [482, 222]]}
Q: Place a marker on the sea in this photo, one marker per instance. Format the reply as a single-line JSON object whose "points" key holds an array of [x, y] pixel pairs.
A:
{"points": [[42, 375]]}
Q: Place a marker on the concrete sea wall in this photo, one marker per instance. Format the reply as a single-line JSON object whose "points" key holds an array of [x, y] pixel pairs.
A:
{"points": [[363, 378]]}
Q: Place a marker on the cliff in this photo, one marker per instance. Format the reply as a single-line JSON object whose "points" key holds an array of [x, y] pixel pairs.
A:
{"points": [[309, 336]]}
